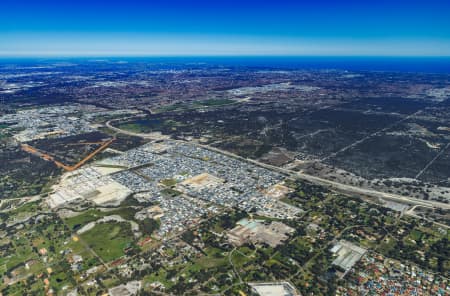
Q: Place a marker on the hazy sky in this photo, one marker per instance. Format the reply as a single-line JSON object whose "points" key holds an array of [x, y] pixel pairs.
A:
{"points": [[224, 27]]}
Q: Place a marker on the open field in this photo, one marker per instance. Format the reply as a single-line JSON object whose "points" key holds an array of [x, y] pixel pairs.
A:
{"points": [[115, 238]]}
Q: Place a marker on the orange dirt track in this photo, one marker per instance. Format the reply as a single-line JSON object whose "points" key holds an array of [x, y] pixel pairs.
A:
{"points": [[45, 156]]}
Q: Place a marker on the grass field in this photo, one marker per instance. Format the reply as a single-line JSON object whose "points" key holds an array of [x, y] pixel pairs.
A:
{"points": [[108, 240], [134, 127], [159, 276], [93, 214], [27, 208], [168, 182], [23, 252], [387, 245], [84, 218], [141, 125], [214, 258], [2, 268]]}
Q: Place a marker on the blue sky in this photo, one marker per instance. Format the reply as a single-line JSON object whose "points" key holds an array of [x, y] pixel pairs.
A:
{"points": [[229, 27]]}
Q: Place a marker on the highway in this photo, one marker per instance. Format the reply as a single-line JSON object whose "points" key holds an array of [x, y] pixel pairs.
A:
{"points": [[347, 189], [336, 186]]}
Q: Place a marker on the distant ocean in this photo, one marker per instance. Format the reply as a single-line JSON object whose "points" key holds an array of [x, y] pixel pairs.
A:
{"points": [[386, 64]]}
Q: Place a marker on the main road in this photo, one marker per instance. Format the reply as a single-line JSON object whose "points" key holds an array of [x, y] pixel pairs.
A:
{"points": [[336, 186]]}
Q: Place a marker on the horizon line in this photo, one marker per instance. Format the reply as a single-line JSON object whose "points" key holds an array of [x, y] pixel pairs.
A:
{"points": [[38, 56]]}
